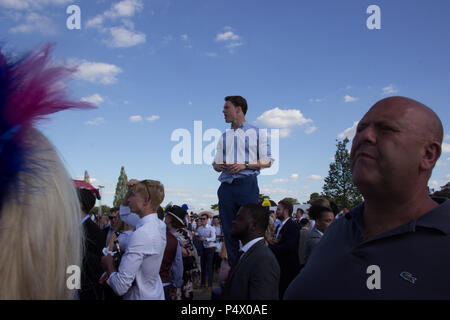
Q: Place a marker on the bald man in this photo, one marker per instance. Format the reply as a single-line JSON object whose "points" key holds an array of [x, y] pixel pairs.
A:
{"points": [[396, 244]]}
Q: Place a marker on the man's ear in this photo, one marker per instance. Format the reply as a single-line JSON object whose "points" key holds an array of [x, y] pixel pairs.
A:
{"points": [[432, 152]]}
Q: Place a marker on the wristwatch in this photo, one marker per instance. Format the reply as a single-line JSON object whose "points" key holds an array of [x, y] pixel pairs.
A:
{"points": [[246, 165]]}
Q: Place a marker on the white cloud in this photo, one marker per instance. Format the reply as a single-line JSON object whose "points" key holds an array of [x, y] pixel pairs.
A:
{"points": [[316, 100], [35, 23], [434, 184], [97, 72], [125, 8], [285, 132], [284, 180], [348, 98], [293, 178], [447, 177], [227, 36], [184, 37], [136, 118], [122, 38], [211, 54], [310, 130], [230, 39], [445, 147], [278, 118], [349, 132], [390, 89], [94, 99], [122, 9], [447, 137], [97, 21], [95, 122], [152, 118], [313, 177], [30, 4]]}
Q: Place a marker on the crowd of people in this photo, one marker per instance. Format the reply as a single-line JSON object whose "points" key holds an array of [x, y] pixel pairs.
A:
{"points": [[146, 251]]}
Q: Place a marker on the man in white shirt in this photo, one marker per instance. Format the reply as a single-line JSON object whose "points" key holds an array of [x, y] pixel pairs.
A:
{"points": [[138, 275], [207, 234]]}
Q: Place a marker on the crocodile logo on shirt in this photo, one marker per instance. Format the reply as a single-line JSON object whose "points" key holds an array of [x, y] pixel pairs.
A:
{"points": [[408, 277]]}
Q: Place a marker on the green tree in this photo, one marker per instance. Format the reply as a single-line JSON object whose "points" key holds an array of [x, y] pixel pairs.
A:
{"points": [[338, 186], [292, 200], [121, 188], [444, 192], [261, 197], [105, 210], [314, 196], [215, 207]]}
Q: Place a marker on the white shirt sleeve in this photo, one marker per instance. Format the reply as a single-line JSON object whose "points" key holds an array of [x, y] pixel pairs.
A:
{"points": [[122, 280], [128, 217], [213, 234]]}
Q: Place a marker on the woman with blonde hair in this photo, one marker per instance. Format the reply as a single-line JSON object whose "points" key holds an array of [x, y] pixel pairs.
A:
{"points": [[39, 209]]}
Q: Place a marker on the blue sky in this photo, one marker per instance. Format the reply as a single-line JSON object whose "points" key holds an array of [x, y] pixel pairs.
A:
{"points": [[310, 68]]}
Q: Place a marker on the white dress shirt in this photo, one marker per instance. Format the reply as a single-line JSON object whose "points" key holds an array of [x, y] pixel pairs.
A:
{"points": [[209, 233], [138, 275], [250, 244]]}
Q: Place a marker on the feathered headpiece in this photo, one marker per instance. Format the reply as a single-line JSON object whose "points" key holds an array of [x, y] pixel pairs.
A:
{"points": [[30, 89]]}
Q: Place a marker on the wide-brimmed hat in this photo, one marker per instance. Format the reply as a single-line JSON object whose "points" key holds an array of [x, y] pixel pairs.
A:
{"points": [[177, 212]]}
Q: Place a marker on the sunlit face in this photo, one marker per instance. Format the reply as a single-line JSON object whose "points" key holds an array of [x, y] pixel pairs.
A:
{"points": [[386, 148], [136, 202], [230, 112]]}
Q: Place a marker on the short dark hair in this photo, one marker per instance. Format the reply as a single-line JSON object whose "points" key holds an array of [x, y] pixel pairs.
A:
{"points": [[303, 222], [258, 215], [205, 215], [113, 209], [87, 200], [287, 205], [318, 211], [238, 101]]}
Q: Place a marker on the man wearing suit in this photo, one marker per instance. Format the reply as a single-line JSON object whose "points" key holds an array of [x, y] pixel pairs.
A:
{"points": [[94, 241], [324, 217], [255, 274], [285, 245]]}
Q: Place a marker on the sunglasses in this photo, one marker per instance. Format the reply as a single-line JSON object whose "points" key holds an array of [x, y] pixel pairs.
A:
{"points": [[111, 217], [202, 219]]}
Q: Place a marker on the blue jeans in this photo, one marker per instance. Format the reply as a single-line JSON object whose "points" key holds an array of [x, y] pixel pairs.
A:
{"points": [[207, 259], [231, 197]]}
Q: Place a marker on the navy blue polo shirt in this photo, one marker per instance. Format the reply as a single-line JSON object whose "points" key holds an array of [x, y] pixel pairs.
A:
{"points": [[413, 260]]}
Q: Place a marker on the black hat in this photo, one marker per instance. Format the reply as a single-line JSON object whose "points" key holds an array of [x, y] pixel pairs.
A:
{"points": [[177, 212]]}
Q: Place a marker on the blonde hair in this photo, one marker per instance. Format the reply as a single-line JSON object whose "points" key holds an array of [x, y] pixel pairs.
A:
{"points": [[151, 188], [40, 230]]}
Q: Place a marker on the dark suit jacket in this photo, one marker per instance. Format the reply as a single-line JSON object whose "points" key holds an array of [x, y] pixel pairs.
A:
{"points": [[93, 245], [312, 240], [255, 277], [286, 252]]}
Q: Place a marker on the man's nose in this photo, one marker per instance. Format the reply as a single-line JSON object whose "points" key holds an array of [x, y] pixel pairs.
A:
{"points": [[368, 134]]}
